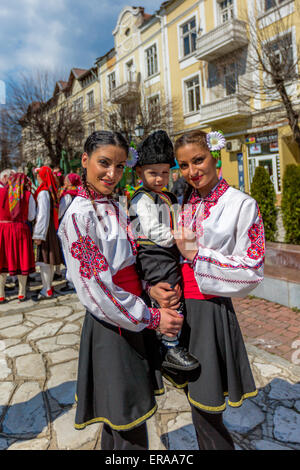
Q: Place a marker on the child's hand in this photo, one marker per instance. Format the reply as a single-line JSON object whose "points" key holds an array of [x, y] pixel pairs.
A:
{"points": [[165, 295]]}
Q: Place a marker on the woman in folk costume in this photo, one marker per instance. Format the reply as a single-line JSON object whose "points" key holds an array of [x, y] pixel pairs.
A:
{"points": [[44, 232], [69, 192], [114, 384], [221, 238], [17, 207]]}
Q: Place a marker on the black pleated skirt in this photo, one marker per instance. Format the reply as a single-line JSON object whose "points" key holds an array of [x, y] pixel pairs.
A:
{"points": [[118, 376], [49, 251], [212, 334]]}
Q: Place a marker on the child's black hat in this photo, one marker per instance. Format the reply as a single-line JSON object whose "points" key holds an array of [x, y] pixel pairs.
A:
{"points": [[156, 148]]}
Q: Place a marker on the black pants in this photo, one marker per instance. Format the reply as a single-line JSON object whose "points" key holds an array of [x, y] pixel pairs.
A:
{"points": [[134, 439], [211, 431]]}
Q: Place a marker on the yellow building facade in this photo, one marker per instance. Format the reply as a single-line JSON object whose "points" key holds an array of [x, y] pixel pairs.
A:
{"points": [[185, 67], [194, 55]]}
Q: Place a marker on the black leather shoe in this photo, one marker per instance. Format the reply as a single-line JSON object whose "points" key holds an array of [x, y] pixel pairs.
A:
{"points": [[179, 358]]}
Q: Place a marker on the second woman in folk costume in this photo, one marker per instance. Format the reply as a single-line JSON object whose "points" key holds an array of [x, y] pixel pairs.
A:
{"points": [[114, 384], [221, 238], [17, 207], [44, 233], [69, 192]]}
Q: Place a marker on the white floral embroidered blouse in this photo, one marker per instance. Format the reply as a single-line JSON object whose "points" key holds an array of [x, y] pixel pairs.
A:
{"points": [[96, 246], [230, 240]]}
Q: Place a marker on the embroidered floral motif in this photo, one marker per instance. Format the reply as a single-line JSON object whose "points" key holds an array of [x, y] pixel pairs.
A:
{"points": [[257, 237], [87, 252], [92, 262]]}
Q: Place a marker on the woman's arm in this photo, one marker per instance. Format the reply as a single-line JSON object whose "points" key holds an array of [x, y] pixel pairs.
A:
{"points": [[240, 272], [64, 204], [90, 272], [42, 217], [31, 208]]}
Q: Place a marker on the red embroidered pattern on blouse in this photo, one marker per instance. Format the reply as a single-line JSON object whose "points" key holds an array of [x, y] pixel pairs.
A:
{"points": [[257, 237], [188, 218], [235, 281], [255, 251], [115, 211], [92, 262]]}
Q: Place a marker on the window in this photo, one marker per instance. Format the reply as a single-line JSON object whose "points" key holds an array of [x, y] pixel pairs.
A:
{"points": [[154, 109], [230, 79], [111, 82], [188, 37], [272, 3], [113, 122], [91, 127], [151, 60], [226, 10], [130, 71], [90, 100], [280, 55], [78, 105], [192, 95]]}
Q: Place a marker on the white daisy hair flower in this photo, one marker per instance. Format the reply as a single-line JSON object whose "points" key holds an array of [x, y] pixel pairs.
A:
{"points": [[132, 157], [215, 141]]}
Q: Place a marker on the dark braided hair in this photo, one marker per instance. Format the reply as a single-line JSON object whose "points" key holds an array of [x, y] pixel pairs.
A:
{"points": [[191, 137], [100, 139]]}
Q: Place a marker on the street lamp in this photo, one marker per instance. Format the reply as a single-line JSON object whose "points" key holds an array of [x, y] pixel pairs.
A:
{"points": [[139, 131]]}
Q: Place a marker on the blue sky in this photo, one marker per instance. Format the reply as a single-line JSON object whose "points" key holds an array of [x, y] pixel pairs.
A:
{"points": [[58, 34]]}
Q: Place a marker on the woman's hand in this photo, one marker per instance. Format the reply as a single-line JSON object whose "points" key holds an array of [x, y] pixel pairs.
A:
{"points": [[170, 322], [38, 242], [186, 242], [165, 295]]}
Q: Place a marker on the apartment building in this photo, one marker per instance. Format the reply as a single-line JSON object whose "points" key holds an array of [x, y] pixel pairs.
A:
{"points": [[190, 65]]}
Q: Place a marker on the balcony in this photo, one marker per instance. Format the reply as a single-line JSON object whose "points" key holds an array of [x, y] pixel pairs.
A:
{"points": [[227, 107], [222, 40], [128, 91]]}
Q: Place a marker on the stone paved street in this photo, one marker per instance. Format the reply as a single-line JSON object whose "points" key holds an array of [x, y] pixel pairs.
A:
{"points": [[39, 346]]}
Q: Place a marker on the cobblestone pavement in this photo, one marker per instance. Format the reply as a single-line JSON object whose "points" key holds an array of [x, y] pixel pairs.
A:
{"points": [[39, 346]]}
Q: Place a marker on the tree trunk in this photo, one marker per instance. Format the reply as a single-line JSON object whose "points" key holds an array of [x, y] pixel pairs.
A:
{"points": [[292, 115]]}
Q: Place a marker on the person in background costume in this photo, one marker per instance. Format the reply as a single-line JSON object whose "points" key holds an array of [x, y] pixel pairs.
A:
{"points": [[17, 207], [44, 232], [69, 192]]}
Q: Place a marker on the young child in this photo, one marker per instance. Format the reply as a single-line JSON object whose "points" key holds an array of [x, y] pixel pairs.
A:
{"points": [[153, 218]]}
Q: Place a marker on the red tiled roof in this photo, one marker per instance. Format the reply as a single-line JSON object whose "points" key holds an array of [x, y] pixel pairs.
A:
{"points": [[78, 72]]}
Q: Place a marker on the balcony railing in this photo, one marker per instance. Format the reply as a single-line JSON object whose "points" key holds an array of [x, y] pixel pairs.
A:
{"points": [[230, 106], [222, 40], [124, 93]]}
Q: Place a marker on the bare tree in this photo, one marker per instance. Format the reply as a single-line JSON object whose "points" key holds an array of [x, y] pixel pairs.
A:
{"points": [[150, 113], [9, 142], [35, 109], [269, 84]]}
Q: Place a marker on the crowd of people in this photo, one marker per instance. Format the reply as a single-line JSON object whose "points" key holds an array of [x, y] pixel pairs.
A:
{"points": [[156, 279], [30, 211]]}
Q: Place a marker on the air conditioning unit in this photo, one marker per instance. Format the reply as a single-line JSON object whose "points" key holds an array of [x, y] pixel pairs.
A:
{"points": [[233, 145]]}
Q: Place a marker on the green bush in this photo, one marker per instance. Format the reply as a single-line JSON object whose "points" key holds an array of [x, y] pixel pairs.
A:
{"points": [[290, 203], [262, 190]]}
